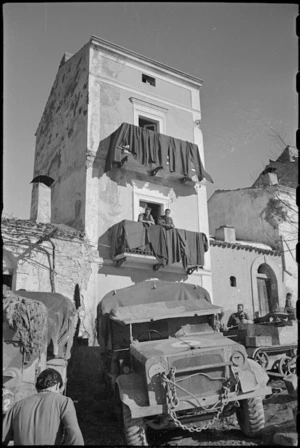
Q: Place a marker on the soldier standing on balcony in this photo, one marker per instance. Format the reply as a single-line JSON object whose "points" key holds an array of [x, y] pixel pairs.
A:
{"points": [[166, 221], [146, 218]]}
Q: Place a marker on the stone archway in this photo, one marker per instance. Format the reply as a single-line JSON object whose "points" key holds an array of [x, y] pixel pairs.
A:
{"points": [[266, 287]]}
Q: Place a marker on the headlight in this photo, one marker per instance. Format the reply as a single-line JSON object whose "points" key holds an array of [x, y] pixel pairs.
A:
{"points": [[155, 369], [238, 359]]}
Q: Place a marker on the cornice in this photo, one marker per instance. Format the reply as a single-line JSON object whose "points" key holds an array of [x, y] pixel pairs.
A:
{"points": [[147, 62]]}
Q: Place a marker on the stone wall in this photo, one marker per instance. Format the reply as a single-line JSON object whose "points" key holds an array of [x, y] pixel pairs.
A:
{"points": [[50, 258]]}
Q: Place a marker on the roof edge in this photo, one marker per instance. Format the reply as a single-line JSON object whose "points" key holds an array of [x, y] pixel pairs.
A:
{"points": [[147, 61]]}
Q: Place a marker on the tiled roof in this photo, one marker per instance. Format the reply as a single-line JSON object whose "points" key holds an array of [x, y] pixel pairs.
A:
{"points": [[246, 247]]}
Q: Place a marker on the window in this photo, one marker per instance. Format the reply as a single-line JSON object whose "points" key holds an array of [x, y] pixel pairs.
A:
{"points": [[148, 124], [7, 280], [149, 115], [232, 281], [148, 80]]}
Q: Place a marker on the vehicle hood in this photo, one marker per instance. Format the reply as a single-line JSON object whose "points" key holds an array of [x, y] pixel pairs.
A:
{"points": [[184, 344]]}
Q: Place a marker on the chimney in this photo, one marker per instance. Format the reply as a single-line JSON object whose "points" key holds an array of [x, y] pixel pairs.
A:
{"points": [[40, 203], [225, 233], [266, 179]]}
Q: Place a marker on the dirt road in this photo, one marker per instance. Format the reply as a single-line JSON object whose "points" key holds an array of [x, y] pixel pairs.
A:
{"points": [[100, 428]]}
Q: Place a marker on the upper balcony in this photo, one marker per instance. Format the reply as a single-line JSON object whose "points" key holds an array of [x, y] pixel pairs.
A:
{"points": [[146, 151], [133, 242]]}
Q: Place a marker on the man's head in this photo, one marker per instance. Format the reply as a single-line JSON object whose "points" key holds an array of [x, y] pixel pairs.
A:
{"points": [[147, 210], [289, 295], [240, 307], [49, 379], [167, 212]]}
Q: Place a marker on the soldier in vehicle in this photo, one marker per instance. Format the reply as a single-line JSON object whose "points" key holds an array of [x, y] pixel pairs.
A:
{"points": [[166, 221], [146, 218], [238, 317], [288, 307]]}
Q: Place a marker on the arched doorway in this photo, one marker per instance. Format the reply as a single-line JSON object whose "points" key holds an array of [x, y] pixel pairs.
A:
{"points": [[267, 289]]}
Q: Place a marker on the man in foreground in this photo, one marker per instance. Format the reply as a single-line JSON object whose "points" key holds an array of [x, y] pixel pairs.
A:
{"points": [[46, 418]]}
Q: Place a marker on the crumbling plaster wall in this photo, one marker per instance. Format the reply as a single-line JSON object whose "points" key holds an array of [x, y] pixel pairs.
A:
{"points": [[73, 262], [227, 262], [61, 140], [113, 81]]}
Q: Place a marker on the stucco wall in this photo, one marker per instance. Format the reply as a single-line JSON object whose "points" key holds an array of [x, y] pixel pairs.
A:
{"points": [[247, 211], [227, 262], [61, 140]]}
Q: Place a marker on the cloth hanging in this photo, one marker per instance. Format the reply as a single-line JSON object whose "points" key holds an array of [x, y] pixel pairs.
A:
{"points": [[151, 148]]}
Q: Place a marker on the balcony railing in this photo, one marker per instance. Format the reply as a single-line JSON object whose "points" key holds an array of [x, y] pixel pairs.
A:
{"points": [[158, 246]]}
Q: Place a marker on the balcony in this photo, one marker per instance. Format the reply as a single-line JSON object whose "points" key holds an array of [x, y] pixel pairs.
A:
{"points": [[132, 242], [142, 150]]}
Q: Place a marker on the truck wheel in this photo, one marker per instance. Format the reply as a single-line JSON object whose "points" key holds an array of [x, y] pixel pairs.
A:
{"points": [[134, 429], [251, 416]]}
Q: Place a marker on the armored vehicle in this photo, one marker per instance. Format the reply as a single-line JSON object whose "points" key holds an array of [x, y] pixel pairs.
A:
{"points": [[167, 366], [38, 332], [271, 341]]}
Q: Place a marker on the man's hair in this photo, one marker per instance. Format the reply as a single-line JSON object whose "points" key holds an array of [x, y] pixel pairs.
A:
{"points": [[289, 294], [167, 210], [48, 378], [148, 208], [240, 304]]}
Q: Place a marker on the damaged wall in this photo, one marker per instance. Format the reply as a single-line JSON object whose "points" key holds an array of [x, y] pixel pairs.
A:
{"points": [[61, 140], [51, 258]]}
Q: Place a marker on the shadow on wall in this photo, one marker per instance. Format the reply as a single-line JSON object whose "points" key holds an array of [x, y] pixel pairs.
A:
{"points": [[140, 275], [123, 176]]}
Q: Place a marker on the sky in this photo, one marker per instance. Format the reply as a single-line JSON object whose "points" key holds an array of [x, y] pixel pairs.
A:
{"points": [[246, 55]]}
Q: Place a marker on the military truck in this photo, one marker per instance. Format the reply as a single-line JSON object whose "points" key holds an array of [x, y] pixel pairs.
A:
{"points": [[271, 340], [167, 366], [38, 332]]}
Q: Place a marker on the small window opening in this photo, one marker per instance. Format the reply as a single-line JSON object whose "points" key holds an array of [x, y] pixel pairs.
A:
{"points": [[148, 80], [156, 209], [147, 123], [232, 281], [7, 281]]}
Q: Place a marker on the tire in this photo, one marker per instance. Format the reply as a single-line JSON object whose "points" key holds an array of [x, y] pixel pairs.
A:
{"points": [[134, 429], [251, 416]]}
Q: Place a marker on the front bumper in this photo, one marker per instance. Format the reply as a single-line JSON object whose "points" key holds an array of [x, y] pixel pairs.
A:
{"points": [[192, 403]]}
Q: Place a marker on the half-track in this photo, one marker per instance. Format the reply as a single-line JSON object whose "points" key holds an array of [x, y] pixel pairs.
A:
{"points": [[271, 341], [167, 366]]}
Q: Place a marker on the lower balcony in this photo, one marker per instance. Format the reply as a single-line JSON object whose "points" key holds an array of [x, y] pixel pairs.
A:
{"points": [[132, 243]]}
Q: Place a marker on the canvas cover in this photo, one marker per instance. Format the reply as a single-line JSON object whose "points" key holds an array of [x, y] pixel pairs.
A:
{"points": [[61, 316], [152, 297], [153, 149]]}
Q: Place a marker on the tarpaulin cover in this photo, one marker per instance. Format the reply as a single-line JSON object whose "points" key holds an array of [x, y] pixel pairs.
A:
{"points": [[28, 319], [62, 315], [149, 293], [169, 246], [155, 149]]}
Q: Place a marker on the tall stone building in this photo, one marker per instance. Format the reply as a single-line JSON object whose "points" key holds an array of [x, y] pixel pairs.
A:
{"points": [[120, 132], [265, 213]]}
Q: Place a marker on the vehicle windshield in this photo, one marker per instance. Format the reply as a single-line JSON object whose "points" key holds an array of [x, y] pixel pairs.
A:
{"points": [[159, 329]]}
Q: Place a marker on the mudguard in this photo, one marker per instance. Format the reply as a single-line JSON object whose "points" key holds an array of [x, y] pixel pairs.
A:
{"points": [[132, 390]]}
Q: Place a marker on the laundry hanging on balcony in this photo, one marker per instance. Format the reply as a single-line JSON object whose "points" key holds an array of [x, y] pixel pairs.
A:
{"points": [[168, 246], [154, 150]]}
